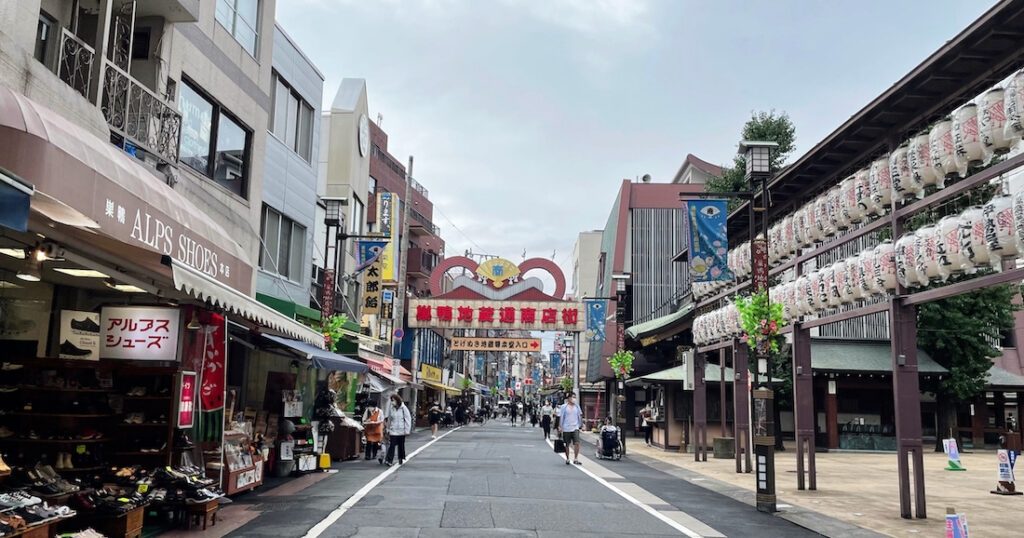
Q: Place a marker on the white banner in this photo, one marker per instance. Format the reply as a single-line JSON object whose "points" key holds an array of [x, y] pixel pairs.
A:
{"points": [[146, 333]]}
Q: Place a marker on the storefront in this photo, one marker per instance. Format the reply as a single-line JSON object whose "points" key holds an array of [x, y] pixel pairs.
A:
{"points": [[130, 336]]}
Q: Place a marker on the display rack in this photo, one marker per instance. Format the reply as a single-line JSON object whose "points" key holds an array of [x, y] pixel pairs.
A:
{"points": [[243, 470]]}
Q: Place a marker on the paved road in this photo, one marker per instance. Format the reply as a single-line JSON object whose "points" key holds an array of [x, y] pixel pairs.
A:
{"points": [[497, 480]]}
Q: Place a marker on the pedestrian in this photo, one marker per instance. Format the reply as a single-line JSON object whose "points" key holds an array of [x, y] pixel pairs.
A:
{"points": [[569, 427], [512, 414], [645, 423], [373, 428], [399, 425], [434, 418], [520, 411], [545, 418], [533, 416]]}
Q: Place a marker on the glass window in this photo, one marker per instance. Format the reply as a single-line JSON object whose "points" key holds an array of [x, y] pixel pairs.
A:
{"points": [[44, 36], [230, 170], [197, 124], [358, 218], [284, 244], [297, 253], [372, 185], [278, 121], [271, 237], [292, 120], [304, 144], [283, 248], [240, 18]]}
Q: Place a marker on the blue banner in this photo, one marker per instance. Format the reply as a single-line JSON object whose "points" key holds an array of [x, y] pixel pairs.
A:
{"points": [[595, 320], [15, 199], [556, 360], [708, 245], [369, 251], [480, 365], [536, 379], [501, 381]]}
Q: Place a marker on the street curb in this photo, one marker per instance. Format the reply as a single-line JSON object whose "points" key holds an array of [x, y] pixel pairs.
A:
{"points": [[803, 517]]}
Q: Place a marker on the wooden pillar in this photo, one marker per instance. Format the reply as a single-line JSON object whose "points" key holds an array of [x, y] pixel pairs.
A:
{"points": [[978, 423], [832, 412], [907, 399], [741, 406], [700, 409], [803, 408], [721, 389]]}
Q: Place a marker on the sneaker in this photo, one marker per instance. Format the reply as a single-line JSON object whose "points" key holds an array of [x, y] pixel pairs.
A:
{"points": [[67, 348], [5, 433], [86, 325], [8, 388], [11, 366]]}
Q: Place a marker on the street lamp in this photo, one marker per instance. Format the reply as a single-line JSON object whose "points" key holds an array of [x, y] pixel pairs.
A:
{"points": [[758, 155], [332, 209]]}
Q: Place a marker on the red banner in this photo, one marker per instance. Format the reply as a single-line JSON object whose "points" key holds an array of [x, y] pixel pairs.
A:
{"points": [[205, 354], [759, 262], [327, 298], [187, 400]]}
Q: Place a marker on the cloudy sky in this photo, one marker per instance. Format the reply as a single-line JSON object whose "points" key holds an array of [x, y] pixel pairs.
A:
{"points": [[524, 116]]}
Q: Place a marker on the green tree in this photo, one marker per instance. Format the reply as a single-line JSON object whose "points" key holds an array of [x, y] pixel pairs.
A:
{"points": [[766, 126], [959, 333]]}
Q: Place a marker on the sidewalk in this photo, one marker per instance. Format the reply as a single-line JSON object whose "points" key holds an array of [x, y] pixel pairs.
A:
{"points": [[861, 488]]}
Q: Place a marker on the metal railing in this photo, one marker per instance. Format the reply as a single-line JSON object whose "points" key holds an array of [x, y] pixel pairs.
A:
{"points": [[74, 66], [140, 115]]}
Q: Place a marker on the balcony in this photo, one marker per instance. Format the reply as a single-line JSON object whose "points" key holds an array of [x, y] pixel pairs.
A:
{"points": [[421, 263], [420, 225], [142, 122]]}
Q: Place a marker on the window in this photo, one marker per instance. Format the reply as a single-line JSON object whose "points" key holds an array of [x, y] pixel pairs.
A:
{"points": [[141, 43], [239, 17], [292, 122], [373, 186], [44, 36], [358, 217], [284, 243], [212, 142]]}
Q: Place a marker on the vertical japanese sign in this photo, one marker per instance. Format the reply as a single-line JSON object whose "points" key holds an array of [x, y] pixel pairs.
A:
{"points": [[187, 400], [371, 291], [501, 380], [139, 333], [556, 361], [707, 241], [387, 219], [369, 252], [327, 297], [595, 320], [759, 264], [479, 365]]}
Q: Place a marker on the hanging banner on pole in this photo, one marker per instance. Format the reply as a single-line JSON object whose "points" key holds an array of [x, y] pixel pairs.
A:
{"points": [[369, 252], [707, 241], [595, 320], [479, 364], [556, 360]]}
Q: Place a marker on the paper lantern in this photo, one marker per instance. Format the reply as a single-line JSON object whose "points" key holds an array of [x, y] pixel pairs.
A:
{"points": [[1018, 220], [835, 209], [1000, 232], [862, 191], [793, 300], [802, 305], [824, 224], [841, 290], [921, 167], [799, 227], [992, 122], [774, 243], [943, 150], [947, 242], [927, 254], [972, 239], [813, 231], [852, 211], [1013, 108], [825, 288], [743, 258], [866, 272], [855, 279], [967, 138], [789, 242], [881, 184], [906, 261], [904, 185], [885, 268], [811, 295]]}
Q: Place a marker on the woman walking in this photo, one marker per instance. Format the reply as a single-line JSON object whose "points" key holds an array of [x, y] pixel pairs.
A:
{"points": [[373, 426], [645, 423], [434, 418], [399, 425], [545, 418]]}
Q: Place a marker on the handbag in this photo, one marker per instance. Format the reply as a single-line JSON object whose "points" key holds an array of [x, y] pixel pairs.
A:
{"points": [[559, 446]]}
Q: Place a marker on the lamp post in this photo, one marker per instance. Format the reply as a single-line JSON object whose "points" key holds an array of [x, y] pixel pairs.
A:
{"points": [[333, 218], [758, 172]]}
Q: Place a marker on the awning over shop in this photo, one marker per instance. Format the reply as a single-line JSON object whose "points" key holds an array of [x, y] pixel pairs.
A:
{"points": [[322, 359], [376, 383], [999, 378], [389, 378], [451, 391], [202, 287], [847, 356], [677, 374], [657, 329]]}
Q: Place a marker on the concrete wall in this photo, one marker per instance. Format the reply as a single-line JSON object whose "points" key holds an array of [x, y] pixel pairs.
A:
{"points": [[290, 183]]}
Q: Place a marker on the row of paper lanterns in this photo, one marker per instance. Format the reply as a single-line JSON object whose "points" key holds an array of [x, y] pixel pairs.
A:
{"points": [[980, 237], [971, 136]]}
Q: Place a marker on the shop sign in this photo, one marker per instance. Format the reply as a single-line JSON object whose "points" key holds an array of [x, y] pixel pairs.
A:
{"points": [[140, 333], [187, 400], [488, 314], [759, 262], [430, 373], [79, 335], [372, 289], [387, 304], [327, 298], [387, 220], [495, 344], [620, 336]]}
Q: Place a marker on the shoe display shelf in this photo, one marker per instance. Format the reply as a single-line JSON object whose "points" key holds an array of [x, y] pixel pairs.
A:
{"points": [[242, 469]]}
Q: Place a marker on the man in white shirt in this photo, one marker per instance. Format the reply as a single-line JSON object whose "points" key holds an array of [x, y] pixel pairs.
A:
{"points": [[570, 422]]}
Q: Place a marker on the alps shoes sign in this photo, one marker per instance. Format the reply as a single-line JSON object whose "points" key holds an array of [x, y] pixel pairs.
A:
{"points": [[140, 333]]}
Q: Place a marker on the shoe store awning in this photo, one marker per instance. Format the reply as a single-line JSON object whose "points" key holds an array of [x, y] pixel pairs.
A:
{"points": [[321, 358], [451, 391]]}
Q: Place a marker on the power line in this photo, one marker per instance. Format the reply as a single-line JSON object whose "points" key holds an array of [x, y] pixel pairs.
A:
{"points": [[458, 229]]}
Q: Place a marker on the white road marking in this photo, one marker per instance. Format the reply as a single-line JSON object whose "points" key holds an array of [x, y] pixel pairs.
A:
{"points": [[643, 506], [334, 516]]}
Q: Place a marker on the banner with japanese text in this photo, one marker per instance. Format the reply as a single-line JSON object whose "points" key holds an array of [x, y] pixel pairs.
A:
{"points": [[556, 361], [708, 245], [480, 364], [369, 251], [595, 320]]}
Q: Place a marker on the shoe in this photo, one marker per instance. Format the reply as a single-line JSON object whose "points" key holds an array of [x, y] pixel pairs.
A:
{"points": [[8, 388], [11, 366], [67, 348], [5, 433], [577, 462], [86, 325], [567, 462]]}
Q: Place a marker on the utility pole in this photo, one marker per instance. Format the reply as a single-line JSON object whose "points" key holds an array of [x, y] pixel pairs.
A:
{"points": [[403, 250]]}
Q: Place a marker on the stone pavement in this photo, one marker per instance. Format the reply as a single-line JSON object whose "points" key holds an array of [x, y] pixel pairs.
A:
{"points": [[861, 488]]}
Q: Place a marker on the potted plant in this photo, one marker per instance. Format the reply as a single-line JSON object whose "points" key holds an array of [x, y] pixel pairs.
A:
{"points": [[761, 320], [466, 383], [566, 384], [331, 329], [622, 364]]}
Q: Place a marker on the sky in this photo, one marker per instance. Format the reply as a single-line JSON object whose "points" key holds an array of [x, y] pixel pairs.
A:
{"points": [[525, 116]]}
